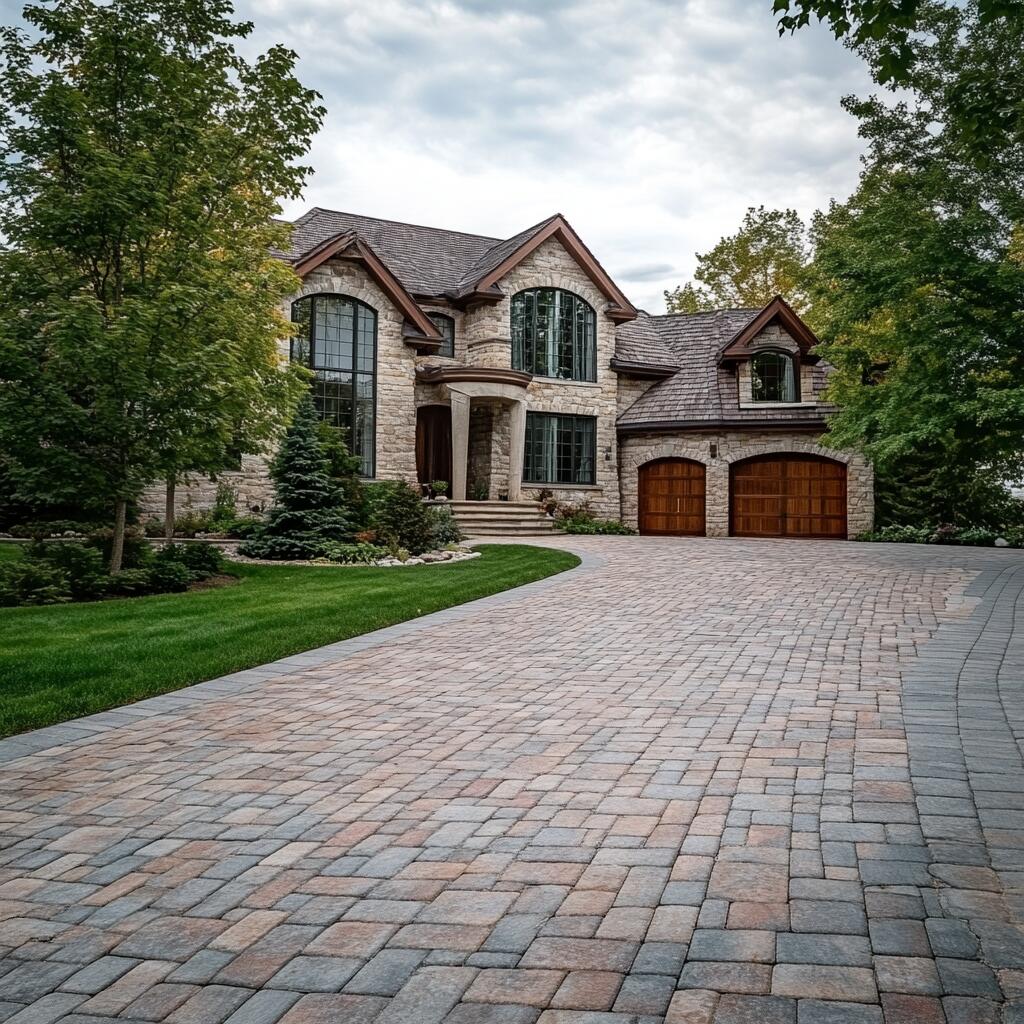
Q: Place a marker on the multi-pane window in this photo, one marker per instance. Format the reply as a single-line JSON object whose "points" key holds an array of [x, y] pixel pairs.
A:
{"points": [[446, 325], [554, 334], [559, 449], [773, 378], [337, 340]]}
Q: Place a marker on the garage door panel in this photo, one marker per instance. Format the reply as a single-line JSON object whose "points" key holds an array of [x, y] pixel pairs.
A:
{"points": [[672, 496], [788, 496]]}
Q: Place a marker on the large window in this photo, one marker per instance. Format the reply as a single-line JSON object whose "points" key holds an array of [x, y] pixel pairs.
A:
{"points": [[337, 339], [554, 334], [446, 325], [773, 378], [559, 449]]}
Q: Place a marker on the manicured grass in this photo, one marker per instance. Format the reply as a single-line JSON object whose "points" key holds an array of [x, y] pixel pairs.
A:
{"points": [[65, 661]]}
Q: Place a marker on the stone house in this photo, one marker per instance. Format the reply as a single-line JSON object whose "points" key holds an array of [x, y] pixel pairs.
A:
{"points": [[512, 366]]}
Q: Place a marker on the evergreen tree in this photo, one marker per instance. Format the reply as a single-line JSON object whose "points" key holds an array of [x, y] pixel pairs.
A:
{"points": [[344, 470], [307, 512], [403, 519]]}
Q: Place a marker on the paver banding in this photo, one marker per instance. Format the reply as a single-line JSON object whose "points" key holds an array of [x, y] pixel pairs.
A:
{"points": [[693, 780]]}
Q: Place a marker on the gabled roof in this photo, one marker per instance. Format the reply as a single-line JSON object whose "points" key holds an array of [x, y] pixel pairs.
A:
{"points": [[436, 263], [351, 246], [703, 391], [780, 311]]}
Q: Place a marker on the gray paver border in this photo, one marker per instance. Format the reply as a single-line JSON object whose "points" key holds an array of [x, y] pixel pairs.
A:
{"points": [[82, 730]]}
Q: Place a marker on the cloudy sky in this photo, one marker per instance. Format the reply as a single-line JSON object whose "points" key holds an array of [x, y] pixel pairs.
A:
{"points": [[651, 124]]}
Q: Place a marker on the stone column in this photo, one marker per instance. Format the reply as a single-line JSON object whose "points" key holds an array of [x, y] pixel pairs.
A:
{"points": [[516, 449], [460, 444]]}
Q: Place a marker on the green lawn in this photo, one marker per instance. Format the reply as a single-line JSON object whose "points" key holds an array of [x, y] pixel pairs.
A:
{"points": [[65, 661]]}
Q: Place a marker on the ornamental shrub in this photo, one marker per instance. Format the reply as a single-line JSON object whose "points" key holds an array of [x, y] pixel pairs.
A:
{"points": [[403, 520], [131, 583], [168, 577], [595, 526], [136, 547], [32, 581], [307, 512], [353, 554], [82, 566], [201, 560], [444, 530]]}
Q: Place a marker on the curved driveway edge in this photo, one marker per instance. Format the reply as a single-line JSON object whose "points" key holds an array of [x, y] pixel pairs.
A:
{"points": [[695, 782]]}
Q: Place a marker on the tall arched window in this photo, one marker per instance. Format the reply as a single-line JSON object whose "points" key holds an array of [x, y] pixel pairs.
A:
{"points": [[773, 378], [554, 334], [337, 340]]}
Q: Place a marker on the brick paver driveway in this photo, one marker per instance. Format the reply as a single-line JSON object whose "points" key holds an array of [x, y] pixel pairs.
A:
{"points": [[693, 781]]}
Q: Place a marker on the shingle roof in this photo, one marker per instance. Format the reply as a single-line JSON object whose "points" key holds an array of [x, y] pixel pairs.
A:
{"points": [[428, 261], [490, 259], [701, 391], [639, 341]]}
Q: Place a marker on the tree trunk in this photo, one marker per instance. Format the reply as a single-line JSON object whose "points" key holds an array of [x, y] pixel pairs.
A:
{"points": [[169, 511], [117, 545]]}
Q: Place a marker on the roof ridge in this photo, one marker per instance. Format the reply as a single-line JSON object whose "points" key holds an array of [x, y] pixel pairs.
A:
{"points": [[400, 223]]}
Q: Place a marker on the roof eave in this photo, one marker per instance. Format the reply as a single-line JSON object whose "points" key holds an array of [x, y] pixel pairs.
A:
{"points": [[666, 426], [647, 371]]}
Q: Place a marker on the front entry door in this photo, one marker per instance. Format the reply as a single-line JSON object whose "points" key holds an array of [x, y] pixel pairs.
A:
{"points": [[434, 444], [672, 495]]}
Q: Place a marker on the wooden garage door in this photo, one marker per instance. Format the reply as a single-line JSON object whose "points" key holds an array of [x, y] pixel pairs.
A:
{"points": [[672, 497], [787, 496]]}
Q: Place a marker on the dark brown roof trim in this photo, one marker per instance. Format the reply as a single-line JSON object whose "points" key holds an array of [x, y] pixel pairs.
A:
{"points": [[558, 227], [487, 374], [667, 426], [348, 245], [778, 309], [646, 371]]}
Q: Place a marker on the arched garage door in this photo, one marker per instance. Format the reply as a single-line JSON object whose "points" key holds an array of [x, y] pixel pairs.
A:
{"points": [[672, 497], [787, 496]]}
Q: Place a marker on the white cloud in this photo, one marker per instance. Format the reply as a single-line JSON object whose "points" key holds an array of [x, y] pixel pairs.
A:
{"points": [[651, 124]]}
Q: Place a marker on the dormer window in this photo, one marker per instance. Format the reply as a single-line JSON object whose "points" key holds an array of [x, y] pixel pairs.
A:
{"points": [[446, 325], [773, 378]]}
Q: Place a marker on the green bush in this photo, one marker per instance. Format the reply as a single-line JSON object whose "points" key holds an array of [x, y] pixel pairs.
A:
{"points": [[168, 577], [444, 530], [83, 566], [136, 548], [587, 525], [899, 535], [403, 520], [242, 528], [200, 559], [353, 554], [43, 528], [131, 583], [32, 581]]}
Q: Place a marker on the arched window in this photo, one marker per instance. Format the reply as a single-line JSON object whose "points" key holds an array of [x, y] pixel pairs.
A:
{"points": [[446, 325], [773, 378], [554, 334], [337, 340]]}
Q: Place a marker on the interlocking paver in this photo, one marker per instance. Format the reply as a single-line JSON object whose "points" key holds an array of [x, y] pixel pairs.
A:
{"points": [[698, 782]]}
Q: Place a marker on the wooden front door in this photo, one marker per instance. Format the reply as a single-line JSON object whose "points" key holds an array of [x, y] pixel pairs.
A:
{"points": [[787, 496], [672, 493], [434, 444]]}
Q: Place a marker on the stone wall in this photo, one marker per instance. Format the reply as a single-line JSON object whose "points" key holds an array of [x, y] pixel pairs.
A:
{"points": [[253, 489], [488, 329], [636, 449]]}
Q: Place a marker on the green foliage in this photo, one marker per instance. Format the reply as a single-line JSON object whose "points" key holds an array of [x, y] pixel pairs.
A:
{"points": [[136, 551], [40, 529], [353, 554], [977, 536], [142, 160], [444, 530], [225, 505], [131, 583], [307, 511], [595, 526], [899, 534], [201, 560], [766, 257], [344, 469], [479, 491], [81, 565], [31, 581], [439, 487], [402, 520], [168, 577]]}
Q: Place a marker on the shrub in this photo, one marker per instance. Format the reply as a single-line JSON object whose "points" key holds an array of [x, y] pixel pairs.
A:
{"points": [[43, 528], [367, 537], [307, 512], [32, 581], [82, 566], [131, 583], [200, 559], [242, 527], [588, 525], [136, 547], [899, 535], [191, 522], [352, 554], [403, 521], [168, 577], [225, 505], [444, 530]]}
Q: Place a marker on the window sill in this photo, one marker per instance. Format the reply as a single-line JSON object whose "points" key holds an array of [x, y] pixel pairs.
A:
{"points": [[537, 379], [778, 405], [552, 486]]}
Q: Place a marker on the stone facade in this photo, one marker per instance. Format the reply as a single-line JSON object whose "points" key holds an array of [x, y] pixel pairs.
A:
{"points": [[483, 339], [731, 446]]}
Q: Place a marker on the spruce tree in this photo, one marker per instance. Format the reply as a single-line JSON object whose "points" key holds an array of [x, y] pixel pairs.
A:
{"points": [[307, 512]]}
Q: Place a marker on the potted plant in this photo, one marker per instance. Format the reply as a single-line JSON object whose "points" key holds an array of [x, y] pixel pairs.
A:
{"points": [[440, 489]]}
